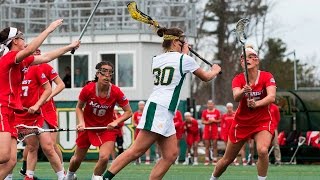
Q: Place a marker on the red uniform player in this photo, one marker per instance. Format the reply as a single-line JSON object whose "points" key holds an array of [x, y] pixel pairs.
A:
{"points": [[95, 108], [210, 118]]}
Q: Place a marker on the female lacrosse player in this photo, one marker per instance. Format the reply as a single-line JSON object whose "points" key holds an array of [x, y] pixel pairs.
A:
{"points": [[95, 109], [48, 111], [35, 91], [210, 118], [156, 124], [14, 57], [179, 126], [252, 118]]}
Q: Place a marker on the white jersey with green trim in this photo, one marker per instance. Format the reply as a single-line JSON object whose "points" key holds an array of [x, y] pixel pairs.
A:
{"points": [[169, 70]]}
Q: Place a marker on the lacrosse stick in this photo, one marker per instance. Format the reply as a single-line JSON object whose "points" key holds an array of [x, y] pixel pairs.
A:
{"points": [[241, 37], [87, 23], [142, 17], [25, 131], [300, 143], [270, 151], [26, 109]]}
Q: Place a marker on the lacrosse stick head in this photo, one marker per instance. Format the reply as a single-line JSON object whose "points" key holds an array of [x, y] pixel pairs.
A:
{"points": [[240, 30], [301, 140], [25, 131], [140, 16]]}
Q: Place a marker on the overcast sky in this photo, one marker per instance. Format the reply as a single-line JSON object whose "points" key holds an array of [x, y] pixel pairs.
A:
{"points": [[297, 23]]}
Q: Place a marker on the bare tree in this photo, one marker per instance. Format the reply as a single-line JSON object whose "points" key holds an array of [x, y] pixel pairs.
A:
{"points": [[218, 21]]}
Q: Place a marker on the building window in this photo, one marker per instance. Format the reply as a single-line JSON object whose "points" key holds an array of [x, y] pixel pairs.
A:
{"points": [[74, 74], [123, 65]]}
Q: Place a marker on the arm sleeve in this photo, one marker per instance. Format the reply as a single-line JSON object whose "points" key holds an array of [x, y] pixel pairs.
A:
{"points": [[41, 77], [83, 94], [189, 64], [122, 99], [270, 81], [236, 82]]}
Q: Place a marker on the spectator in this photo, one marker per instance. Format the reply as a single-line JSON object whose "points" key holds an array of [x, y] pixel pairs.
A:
{"points": [[79, 78], [67, 77]]}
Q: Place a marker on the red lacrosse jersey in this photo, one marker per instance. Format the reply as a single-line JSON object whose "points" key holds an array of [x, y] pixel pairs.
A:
{"points": [[11, 77], [51, 74], [136, 117], [206, 115], [192, 127], [275, 114], [245, 115], [226, 122], [99, 111], [178, 122], [32, 82]]}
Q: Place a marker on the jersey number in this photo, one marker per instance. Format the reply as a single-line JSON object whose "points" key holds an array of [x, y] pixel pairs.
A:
{"points": [[99, 112], [25, 91], [164, 76]]}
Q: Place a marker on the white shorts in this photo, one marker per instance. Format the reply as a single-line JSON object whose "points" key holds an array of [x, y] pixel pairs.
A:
{"points": [[157, 119]]}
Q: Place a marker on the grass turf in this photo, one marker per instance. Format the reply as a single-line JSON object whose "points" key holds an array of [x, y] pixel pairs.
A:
{"points": [[180, 172]]}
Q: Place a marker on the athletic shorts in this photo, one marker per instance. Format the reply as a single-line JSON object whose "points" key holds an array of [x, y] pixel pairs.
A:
{"points": [[95, 137], [239, 132], [30, 122], [224, 136], [157, 119], [51, 118], [192, 138], [7, 121], [211, 133]]}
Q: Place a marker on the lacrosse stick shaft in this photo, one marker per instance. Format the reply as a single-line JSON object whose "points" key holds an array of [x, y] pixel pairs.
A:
{"points": [[300, 143], [196, 54], [87, 23], [270, 151], [245, 64], [204, 60]]}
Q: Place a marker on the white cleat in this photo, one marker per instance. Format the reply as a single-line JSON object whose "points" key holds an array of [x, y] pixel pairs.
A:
{"points": [[96, 177], [72, 178]]}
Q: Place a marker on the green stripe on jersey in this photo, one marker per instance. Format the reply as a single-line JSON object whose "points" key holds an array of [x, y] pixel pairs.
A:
{"points": [[150, 116], [181, 72], [177, 89]]}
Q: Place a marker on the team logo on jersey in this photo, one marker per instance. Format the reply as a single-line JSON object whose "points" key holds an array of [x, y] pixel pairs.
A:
{"points": [[53, 71], [272, 80], [25, 69], [43, 76], [124, 98]]}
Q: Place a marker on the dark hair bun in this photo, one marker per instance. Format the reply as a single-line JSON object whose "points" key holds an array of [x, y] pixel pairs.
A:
{"points": [[161, 31]]}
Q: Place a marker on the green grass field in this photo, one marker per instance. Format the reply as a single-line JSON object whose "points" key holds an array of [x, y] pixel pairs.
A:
{"points": [[180, 172]]}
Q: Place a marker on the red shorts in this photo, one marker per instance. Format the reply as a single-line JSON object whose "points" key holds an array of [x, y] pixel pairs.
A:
{"points": [[210, 133], [224, 136], [51, 118], [93, 137], [30, 122], [136, 132], [241, 132], [7, 121], [192, 138]]}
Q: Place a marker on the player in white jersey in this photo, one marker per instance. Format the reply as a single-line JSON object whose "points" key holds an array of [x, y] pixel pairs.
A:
{"points": [[156, 125]]}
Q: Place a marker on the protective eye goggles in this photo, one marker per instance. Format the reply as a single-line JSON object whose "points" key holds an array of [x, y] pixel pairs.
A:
{"points": [[105, 72]]}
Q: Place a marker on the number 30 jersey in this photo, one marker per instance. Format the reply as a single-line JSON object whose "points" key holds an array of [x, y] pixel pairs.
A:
{"points": [[169, 70], [99, 111]]}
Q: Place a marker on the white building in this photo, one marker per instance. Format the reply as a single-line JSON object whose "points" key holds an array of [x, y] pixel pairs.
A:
{"points": [[112, 35]]}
